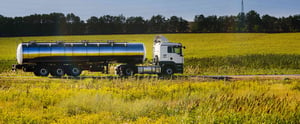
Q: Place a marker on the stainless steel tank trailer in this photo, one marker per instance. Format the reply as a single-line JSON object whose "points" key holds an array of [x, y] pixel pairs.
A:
{"points": [[60, 58]]}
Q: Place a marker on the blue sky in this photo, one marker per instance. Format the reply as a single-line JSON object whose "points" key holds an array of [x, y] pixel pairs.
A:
{"points": [[147, 8]]}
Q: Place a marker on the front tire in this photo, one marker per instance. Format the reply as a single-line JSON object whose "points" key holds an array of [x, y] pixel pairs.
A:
{"points": [[167, 72]]}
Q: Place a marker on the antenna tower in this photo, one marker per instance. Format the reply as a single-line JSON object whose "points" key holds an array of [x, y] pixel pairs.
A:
{"points": [[242, 6]]}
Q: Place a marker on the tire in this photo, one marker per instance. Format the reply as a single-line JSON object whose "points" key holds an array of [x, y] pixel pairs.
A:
{"points": [[124, 71], [74, 71], [41, 71], [168, 71], [128, 72], [58, 72]]}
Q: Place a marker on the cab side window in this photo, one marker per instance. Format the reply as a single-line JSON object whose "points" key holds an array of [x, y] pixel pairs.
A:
{"points": [[177, 50]]}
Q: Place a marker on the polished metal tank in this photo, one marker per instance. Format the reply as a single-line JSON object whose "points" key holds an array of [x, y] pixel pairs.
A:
{"points": [[59, 52]]}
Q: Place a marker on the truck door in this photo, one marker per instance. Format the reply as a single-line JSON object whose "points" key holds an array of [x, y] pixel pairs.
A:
{"points": [[175, 54]]}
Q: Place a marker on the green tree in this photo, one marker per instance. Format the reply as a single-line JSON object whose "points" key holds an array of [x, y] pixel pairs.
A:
{"points": [[227, 23], [92, 25], [136, 25], [269, 24], [157, 24], [212, 24], [183, 25], [285, 24], [74, 24], [199, 24], [241, 22], [253, 21], [296, 23], [173, 24], [111, 24]]}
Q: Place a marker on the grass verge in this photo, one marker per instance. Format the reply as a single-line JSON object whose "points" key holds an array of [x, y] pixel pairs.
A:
{"points": [[149, 101]]}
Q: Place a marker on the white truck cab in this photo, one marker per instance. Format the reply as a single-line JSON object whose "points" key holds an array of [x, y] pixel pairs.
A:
{"points": [[167, 60], [168, 56]]}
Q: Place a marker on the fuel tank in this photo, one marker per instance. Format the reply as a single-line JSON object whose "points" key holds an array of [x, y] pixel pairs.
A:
{"points": [[80, 52]]}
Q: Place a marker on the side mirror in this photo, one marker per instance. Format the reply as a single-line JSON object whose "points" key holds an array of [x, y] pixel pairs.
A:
{"points": [[183, 47]]}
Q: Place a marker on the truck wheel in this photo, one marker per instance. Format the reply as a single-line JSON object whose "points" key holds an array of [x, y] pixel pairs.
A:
{"points": [[41, 71], [58, 72], [168, 71], [128, 72], [74, 71]]}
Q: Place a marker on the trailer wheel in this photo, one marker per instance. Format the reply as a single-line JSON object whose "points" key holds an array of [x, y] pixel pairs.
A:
{"points": [[41, 71], [74, 71], [58, 72]]}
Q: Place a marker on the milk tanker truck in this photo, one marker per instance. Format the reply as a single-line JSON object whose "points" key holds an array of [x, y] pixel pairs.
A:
{"points": [[71, 58]]}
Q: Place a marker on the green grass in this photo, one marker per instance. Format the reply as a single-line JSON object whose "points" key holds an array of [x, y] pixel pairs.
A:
{"points": [[197, 45], [236, 44], [40, 100], [244, 65]]}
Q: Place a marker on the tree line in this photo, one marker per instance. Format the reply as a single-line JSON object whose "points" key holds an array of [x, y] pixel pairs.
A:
{"points": [[246, 22], [70, 24]]}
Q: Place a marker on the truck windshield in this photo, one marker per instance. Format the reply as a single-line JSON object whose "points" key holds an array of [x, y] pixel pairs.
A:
{"points": [[175, 49]]}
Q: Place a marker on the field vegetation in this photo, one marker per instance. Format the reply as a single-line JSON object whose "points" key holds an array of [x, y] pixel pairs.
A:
{"points": [[39, 100], [27, 99]]}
